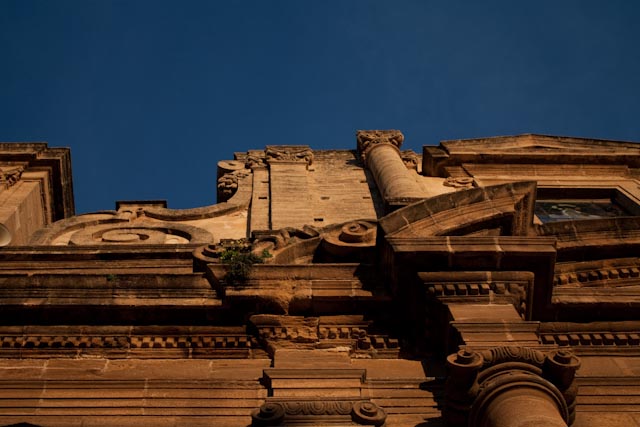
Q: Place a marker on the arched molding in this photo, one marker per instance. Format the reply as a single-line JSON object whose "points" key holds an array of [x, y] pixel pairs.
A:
{"points": [[140, 232], [46, 236], [113, 228], [239, 201], [505, 207]]}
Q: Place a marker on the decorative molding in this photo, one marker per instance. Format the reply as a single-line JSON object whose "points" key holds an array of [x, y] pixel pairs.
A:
{"points": [[595, 334], [489, 286], [591, 339], [458, 182], [529, 149], [289, 153], [599, 273], [140, 232], [337, 331], [576, 239], [282, 412], [569, 173], [118, 341], [452, 213]]}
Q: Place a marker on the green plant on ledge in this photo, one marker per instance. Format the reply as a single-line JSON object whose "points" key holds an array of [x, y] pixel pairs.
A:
{"points": [[239, 261]]}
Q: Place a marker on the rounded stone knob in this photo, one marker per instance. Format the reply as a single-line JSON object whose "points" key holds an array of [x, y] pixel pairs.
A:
{"points": [[269, 414], [368, 413]]}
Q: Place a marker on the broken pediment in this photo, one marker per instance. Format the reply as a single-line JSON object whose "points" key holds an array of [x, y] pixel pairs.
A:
{"points": [[505, 209]]}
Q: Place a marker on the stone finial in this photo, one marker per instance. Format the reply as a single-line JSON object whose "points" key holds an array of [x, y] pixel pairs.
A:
{"points": [[367, 139]]}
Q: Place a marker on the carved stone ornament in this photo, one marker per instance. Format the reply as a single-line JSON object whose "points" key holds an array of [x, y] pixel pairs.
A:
{"points": [[228, 184], [458, 182], [367, 139], [255, 158], [289, 153], [10, 175], [275, 413], [410, 159]]}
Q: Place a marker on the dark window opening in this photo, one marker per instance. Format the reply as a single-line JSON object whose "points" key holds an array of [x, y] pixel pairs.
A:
{"points": [[571, 204]]}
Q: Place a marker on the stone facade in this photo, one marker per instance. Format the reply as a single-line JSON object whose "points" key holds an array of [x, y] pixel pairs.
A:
{"points": [[488, 282]]}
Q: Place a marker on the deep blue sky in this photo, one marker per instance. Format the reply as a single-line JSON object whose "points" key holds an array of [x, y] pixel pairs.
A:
{"points": [[150, 95]]}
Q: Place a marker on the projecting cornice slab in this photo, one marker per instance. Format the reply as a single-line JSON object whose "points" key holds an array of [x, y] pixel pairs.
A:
{"points": [[529, 148]]}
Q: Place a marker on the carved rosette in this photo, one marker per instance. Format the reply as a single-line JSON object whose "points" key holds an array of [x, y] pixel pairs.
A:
{"points": [[368, 139], [289, 153], [482, 387]]}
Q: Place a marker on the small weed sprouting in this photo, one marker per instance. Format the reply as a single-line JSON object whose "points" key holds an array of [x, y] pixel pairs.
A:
{"points": [[239, 260]]}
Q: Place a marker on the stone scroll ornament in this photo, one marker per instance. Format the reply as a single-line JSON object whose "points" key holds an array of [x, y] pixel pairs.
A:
{"points": [[228, 184], [485, 388]]}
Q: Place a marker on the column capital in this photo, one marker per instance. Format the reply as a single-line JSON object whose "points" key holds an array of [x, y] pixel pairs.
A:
{"points": [[486, 388], [367, 139]]}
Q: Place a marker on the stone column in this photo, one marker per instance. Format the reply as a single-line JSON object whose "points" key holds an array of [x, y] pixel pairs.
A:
{"points": [[510, 387], [380, 151], [522, 407]]}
